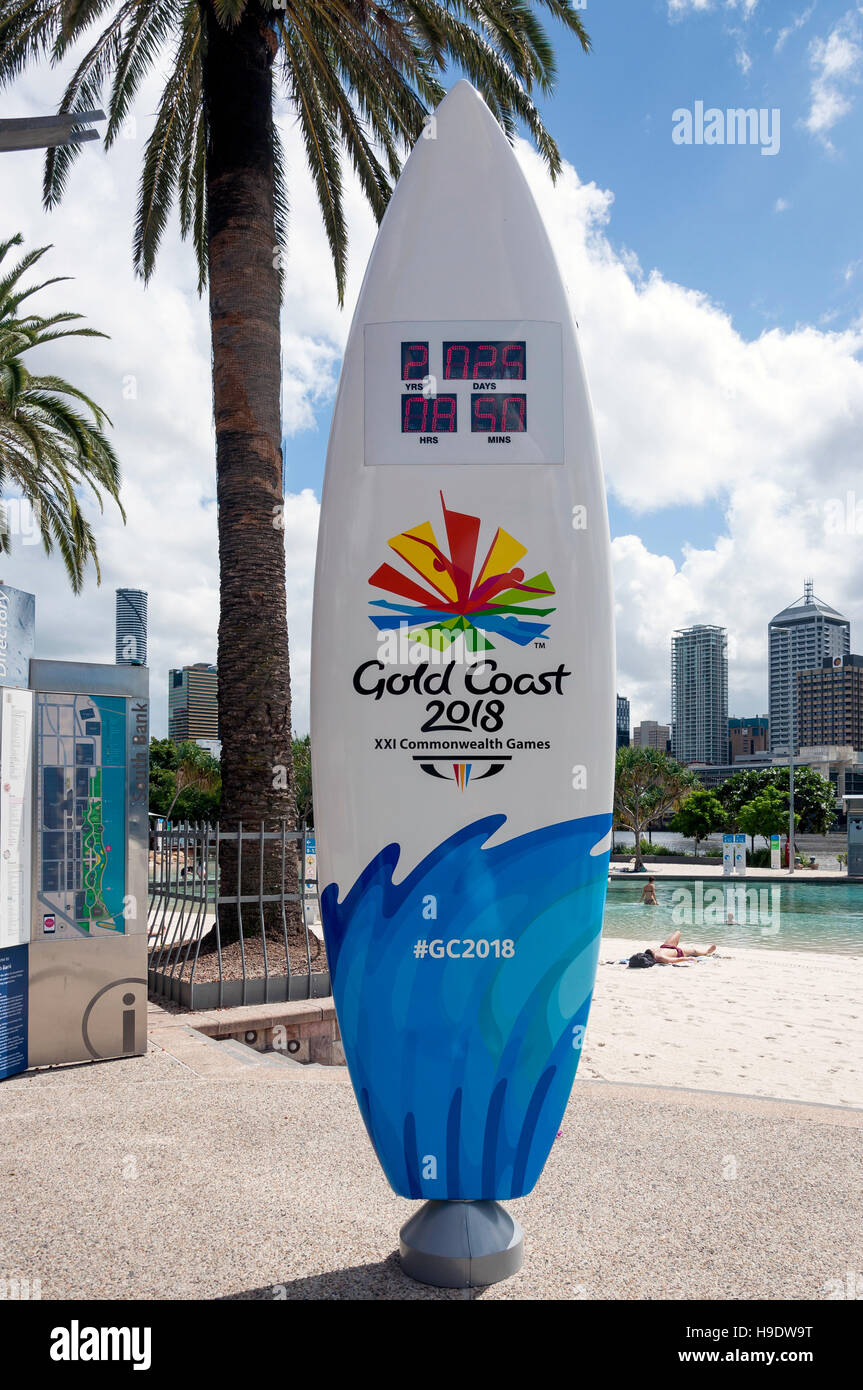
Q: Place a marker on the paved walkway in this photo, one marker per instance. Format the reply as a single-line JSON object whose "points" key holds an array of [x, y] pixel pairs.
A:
{"points": [[175, 1177], [707, 869]]}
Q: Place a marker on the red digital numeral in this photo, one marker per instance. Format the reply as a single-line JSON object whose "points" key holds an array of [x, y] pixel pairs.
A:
{"points": [[513, 361], [512, 415], [457, 375], [415, 361], [414, 414], [443, 415], [483, 414], [485, 362]]}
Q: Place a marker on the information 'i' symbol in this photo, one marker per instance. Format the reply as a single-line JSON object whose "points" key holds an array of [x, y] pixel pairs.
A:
{"points": [[129, 1023]]}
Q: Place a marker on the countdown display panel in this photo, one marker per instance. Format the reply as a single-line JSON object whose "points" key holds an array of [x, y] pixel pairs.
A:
{"points": [[463, 392], [502, 361], [505, 413], [429, 414]]}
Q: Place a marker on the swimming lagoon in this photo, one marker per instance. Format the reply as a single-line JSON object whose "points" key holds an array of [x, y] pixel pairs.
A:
{"points": [[777, 916]]}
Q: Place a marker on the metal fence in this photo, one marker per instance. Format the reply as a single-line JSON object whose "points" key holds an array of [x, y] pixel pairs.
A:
{"points": [[193, 959]]}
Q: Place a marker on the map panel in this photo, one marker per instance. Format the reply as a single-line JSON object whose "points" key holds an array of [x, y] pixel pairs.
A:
{"points": [[80, 814]]}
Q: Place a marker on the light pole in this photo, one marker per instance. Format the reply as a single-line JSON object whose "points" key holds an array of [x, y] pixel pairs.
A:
{"points": [[45, 132]]}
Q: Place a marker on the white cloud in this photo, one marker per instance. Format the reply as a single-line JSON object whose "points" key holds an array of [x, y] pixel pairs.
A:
{"points": [[797, 22], [743, 60], [688, 412], [835, 63], [781, 205], [678, 8]]}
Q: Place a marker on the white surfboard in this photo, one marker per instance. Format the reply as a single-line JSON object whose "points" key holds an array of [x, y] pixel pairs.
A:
{"points": [[463, 698]]}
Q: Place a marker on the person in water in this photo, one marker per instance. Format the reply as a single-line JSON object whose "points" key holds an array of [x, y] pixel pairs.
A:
{"points": [[672, 953], [648, 894]]}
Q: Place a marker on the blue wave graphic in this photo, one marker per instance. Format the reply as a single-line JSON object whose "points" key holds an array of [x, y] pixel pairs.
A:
{"points": [[463, 1067]]}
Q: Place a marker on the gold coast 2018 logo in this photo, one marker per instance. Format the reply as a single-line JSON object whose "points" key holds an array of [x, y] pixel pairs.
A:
{"points": [[461, 738], [455, 597]]}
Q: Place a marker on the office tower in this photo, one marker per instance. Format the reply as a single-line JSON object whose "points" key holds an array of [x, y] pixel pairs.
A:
{"points": [[622, 722], [193, 703], [649, 734], [747, 736], [131, 628], [799, 638], [830, 703], [699, 694]]}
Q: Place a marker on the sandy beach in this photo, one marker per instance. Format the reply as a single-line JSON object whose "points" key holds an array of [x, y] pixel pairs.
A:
{"points": [[786, 1024]]}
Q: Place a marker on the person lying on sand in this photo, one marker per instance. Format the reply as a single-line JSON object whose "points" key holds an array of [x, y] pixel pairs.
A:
{"points": [[672, 953], [648, 895]]}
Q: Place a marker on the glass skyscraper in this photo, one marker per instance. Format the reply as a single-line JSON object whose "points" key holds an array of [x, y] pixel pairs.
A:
{"points": [[131, 628], [699, 694], [799, 639]]}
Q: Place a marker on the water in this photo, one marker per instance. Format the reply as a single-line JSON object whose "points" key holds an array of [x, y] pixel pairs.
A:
{"points": [[811, 916]]}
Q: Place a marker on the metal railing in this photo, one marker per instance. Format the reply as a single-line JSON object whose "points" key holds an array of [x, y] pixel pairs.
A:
{"points": [[266, 956]]}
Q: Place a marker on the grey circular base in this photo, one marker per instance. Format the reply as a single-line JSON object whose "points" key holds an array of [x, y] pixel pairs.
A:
{"points": [[461, 1245]]}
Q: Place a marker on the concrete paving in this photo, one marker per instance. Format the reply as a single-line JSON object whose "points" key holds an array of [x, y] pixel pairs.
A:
{"points": [[713, 869], [160, 1177]]}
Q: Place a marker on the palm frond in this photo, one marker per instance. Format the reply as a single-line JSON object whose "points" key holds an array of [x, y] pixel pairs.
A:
{"points": [[53, 440]]}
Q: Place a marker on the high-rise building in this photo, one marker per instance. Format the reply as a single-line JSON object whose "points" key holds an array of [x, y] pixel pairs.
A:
{"points": [[622, 722], [131, 628], [649, 734], [830, 703], [747, 736], [798, 639], [699, 694], [193, 704]]}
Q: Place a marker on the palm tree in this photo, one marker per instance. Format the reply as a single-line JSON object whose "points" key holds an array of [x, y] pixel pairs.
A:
{"points": [[358, 76], [49, 448]]}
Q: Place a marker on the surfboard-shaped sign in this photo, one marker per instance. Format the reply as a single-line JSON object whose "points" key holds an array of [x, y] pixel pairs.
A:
{"points": [[463, 700]]}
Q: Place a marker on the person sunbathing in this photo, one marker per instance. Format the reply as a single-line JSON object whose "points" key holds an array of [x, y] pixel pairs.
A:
{"points": [[672, 953]]}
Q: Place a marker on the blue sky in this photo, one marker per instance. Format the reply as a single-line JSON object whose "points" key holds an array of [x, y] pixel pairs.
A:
{"points": [[775, 240], [706, 217]]}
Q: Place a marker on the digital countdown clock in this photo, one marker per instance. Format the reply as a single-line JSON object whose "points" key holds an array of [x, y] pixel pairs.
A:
{"points": [[474, 392]]}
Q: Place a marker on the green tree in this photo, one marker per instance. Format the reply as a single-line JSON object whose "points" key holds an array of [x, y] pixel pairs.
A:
{"points": [[359, 78], [648, 785], [766, 814], [185, 781], [52, 436], [303, 780], [814, 796], [698, 816]]}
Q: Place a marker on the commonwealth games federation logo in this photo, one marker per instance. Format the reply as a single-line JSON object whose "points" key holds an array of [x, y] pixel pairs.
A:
{"points": [[456, 596]]}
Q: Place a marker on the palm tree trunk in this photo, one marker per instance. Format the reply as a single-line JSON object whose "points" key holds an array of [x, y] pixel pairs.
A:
{"points": [[254, 672]]}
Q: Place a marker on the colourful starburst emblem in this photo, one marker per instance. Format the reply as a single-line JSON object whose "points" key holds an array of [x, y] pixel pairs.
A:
{"points": [[458, 597]]}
